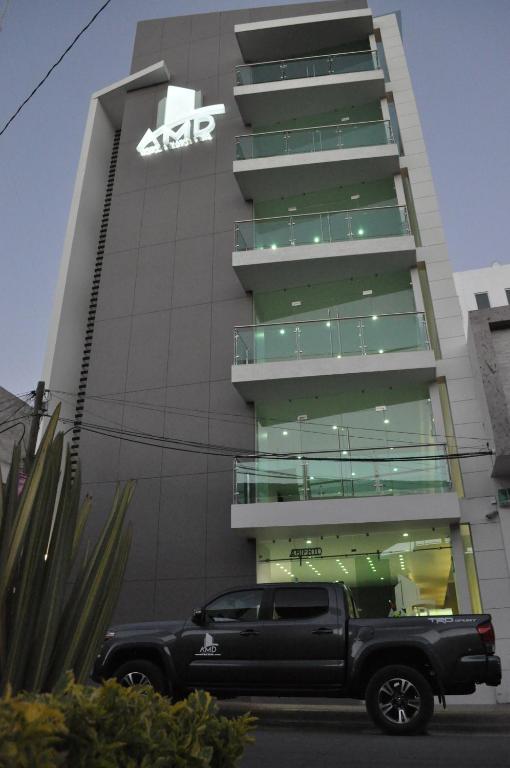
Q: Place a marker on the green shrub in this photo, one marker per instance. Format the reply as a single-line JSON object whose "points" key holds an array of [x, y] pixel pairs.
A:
{"points": [[116, 727]]}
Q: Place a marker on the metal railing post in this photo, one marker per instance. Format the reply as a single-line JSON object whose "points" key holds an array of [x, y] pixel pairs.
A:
{"points": [[305, 481]]}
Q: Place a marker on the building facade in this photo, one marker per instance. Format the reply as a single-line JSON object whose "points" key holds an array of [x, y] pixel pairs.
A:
{"points": [[482, 288], [256, 318], [15, 417]]}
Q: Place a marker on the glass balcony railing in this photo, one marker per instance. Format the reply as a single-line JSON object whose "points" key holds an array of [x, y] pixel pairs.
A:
{"points": [[310, 66], [316, 139], [331, 337], [384, 472], [327, 227]]}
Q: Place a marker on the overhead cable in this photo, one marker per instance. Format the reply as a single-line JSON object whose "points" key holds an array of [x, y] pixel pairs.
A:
{"points": [[55, 65]]}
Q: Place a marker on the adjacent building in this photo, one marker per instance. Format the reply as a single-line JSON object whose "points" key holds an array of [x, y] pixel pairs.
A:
{"points": [[482, 288], [256, 318], [15, 417]]}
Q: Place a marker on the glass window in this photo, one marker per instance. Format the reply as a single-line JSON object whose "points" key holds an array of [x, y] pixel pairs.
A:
{"points": [[300, 603], [236, 606], [482, 300], [390, 569], [507, 291]]}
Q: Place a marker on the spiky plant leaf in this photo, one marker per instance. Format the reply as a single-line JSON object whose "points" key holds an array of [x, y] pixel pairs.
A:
{"points": [[109, 600], [95, 579], [26, 503], [48, 625], [56, 576]]}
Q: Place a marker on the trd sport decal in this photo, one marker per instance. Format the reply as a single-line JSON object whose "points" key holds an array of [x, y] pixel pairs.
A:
{"points": [[210, 647]]}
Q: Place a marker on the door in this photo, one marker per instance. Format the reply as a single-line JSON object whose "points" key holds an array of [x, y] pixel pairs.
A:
{"points": [[225, 650], [304, 640]]}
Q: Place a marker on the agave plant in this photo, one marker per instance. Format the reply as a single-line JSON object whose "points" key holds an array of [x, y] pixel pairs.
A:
{"points": [[57, 595]]}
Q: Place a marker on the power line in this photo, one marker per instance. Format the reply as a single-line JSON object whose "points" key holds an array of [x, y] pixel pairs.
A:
{"points": [[197, 414], [55, 65], [189, 446]]}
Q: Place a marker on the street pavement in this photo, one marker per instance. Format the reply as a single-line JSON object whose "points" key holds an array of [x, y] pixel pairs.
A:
{"points": [[300, 735]]}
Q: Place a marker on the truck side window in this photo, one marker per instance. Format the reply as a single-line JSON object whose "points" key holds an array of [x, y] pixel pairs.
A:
{"points": [[305, 603], [235, 606]]}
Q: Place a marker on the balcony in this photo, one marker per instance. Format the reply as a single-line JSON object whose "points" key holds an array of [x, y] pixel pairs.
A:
{"points": [[282, 163], [288, 251], [302, 35], [270, 91], [325, 227], [298, 494], [389, 471], [330, 337]]}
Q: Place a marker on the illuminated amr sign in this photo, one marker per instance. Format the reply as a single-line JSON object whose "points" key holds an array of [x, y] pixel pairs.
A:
{"points": [[182, 120]]}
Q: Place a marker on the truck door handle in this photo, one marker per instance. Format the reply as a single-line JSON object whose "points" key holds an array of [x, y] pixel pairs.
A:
{"points": [[248, 632], [322, 631]]}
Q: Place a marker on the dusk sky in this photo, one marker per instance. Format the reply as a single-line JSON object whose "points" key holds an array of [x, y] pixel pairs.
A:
{"points": [[459, 61]]}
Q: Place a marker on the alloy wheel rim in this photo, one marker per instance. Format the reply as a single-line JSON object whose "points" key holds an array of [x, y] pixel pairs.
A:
{"points": [[135, 678], [399, 701]]}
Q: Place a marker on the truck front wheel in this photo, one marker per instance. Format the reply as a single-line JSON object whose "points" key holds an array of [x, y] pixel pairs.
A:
{"points": [[142, 672], [399, 700]]}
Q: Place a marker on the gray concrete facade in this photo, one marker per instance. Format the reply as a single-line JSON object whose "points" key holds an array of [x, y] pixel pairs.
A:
{"points": [[168, 302]]}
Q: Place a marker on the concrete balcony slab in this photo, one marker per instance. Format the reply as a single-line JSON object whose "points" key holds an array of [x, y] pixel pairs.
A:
{"points": [[325, 375], [287, 175], [302, 35], [299, 518], [267, 103], [267, 269]]}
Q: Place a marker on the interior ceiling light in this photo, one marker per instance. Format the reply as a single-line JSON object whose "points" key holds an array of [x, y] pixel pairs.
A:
{"points": [[405, 534], [386, 421], [308, 541]]}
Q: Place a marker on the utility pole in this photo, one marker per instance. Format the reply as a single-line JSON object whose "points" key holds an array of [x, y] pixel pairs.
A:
{"points": [[34, 426]]}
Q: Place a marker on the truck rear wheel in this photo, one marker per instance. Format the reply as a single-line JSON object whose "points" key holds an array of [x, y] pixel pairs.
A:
{"points": [[399, 700], [142, 672]]}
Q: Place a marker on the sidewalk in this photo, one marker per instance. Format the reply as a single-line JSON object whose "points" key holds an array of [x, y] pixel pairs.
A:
{"points": [[351, 713]]}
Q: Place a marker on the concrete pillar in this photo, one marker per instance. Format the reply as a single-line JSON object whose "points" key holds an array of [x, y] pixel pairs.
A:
{"points": [[459, 570]]}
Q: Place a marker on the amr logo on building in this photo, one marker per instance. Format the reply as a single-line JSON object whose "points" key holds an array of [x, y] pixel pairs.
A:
{"points": [[182, 120]]}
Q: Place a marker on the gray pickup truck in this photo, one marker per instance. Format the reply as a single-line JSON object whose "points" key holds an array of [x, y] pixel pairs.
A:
{"points": [[307, 639]]}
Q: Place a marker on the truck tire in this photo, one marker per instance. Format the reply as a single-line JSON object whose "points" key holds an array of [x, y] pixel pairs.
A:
{"points": [[399, 700], [142, 672]]}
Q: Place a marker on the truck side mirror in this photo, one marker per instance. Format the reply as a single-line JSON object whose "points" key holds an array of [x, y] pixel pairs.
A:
{"points": [[198, 616]]}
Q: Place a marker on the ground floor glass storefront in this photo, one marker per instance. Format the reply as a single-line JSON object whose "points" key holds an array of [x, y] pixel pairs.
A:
{"points": [[391, 569]]}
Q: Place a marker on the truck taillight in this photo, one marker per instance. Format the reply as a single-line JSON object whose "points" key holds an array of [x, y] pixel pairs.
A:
{"points": [[487, 636]]}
